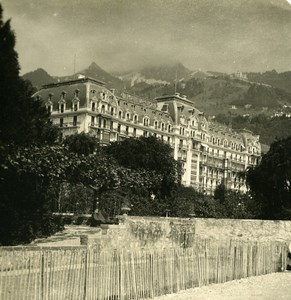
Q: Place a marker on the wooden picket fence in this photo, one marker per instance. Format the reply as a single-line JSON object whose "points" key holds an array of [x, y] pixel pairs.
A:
{"points": [[84, 273]]}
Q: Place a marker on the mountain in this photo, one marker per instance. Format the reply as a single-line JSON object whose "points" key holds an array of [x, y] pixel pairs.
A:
{"points": [[96, 72], [38, 78], [159, 74]]}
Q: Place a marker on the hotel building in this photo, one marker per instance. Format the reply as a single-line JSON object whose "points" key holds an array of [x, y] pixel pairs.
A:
{"points": [[210, 153]]}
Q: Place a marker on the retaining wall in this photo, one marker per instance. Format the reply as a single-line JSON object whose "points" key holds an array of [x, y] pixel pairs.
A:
{"points": [[153, 232]]}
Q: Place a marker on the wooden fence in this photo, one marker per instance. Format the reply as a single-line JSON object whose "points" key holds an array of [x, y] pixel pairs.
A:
{"points": [[84, 273]]}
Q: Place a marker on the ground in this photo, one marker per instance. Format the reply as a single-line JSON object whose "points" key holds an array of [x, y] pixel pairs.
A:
{"points": [[274, 286], [70, 236]]}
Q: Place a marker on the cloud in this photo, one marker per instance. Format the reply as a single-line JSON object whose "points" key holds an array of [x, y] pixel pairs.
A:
{"points": [[123, 34]]}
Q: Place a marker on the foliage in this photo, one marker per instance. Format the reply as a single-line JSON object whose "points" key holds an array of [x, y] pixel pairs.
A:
{"points": [[189, 202], [149, 154], [82, 144], [235, 204], [270, 181]]}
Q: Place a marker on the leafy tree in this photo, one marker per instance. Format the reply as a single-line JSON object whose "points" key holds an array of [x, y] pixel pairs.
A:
{"points": [[150, 154], [269, 181]]}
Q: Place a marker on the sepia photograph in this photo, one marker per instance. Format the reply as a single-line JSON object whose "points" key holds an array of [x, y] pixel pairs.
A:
{"points": [[145, 149]]}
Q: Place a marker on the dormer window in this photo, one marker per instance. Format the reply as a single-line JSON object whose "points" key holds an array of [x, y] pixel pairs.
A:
{"points": [[146, 122], [75, 107], [62, 107]]}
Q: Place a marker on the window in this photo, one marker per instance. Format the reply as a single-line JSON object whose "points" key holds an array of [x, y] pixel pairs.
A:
{"points": [[118, 128], [146, 122], [135, 119], [111, 125], [49, 108], [104, 123], [75, 106], [75, 118], [103, 109], [156, 124], [163, 126], [92, 121], [120, 114], [134, 132], [112, 111], [62, 108], [169, 140], [126, 130], [61, 122], [127, 116], [93, 106], [169, 128]]}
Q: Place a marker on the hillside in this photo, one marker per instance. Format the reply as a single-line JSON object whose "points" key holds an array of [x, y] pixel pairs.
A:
{"points": [[273, 78], [212, 92]]}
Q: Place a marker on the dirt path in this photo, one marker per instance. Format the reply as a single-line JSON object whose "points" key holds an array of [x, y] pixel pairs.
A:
{"points": [[274, 286]]}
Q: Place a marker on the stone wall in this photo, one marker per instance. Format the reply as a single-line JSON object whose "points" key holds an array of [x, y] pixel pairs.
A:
{"points": [[153, 232]]}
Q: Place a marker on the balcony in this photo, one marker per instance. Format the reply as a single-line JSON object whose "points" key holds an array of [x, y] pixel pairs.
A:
{"points": [[70, 125]]}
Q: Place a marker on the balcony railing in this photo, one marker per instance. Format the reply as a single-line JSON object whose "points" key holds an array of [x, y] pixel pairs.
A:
{"points": [[70, 124]]}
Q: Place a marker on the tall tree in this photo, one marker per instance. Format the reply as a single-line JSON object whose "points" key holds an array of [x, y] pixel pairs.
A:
{"points": [[22, 118], [270, 181]]}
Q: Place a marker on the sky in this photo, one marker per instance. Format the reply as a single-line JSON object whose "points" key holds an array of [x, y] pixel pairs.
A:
{"points": [[124, 35]]}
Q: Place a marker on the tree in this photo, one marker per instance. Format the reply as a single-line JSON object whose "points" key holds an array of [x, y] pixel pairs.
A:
{"points": [[82, 143], [269, 181], [150, 154], [23, 119]]}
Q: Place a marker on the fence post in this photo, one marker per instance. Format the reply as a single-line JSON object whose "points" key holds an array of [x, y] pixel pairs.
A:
{"points": [[42, 275], [85, 275]]}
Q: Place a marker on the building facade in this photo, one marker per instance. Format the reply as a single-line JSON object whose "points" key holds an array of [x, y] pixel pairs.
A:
{"points": [[211, 154]]}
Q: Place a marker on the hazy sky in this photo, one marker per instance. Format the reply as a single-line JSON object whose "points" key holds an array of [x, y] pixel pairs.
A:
{"points": [[120, 35]]}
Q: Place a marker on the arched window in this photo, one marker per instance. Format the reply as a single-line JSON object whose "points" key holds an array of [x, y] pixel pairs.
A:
{"points": [[103, 109], [169, 128], [120, 114]]}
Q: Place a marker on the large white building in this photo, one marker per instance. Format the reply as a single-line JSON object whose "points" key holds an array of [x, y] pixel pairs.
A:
{"points": [[211, 153]]}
